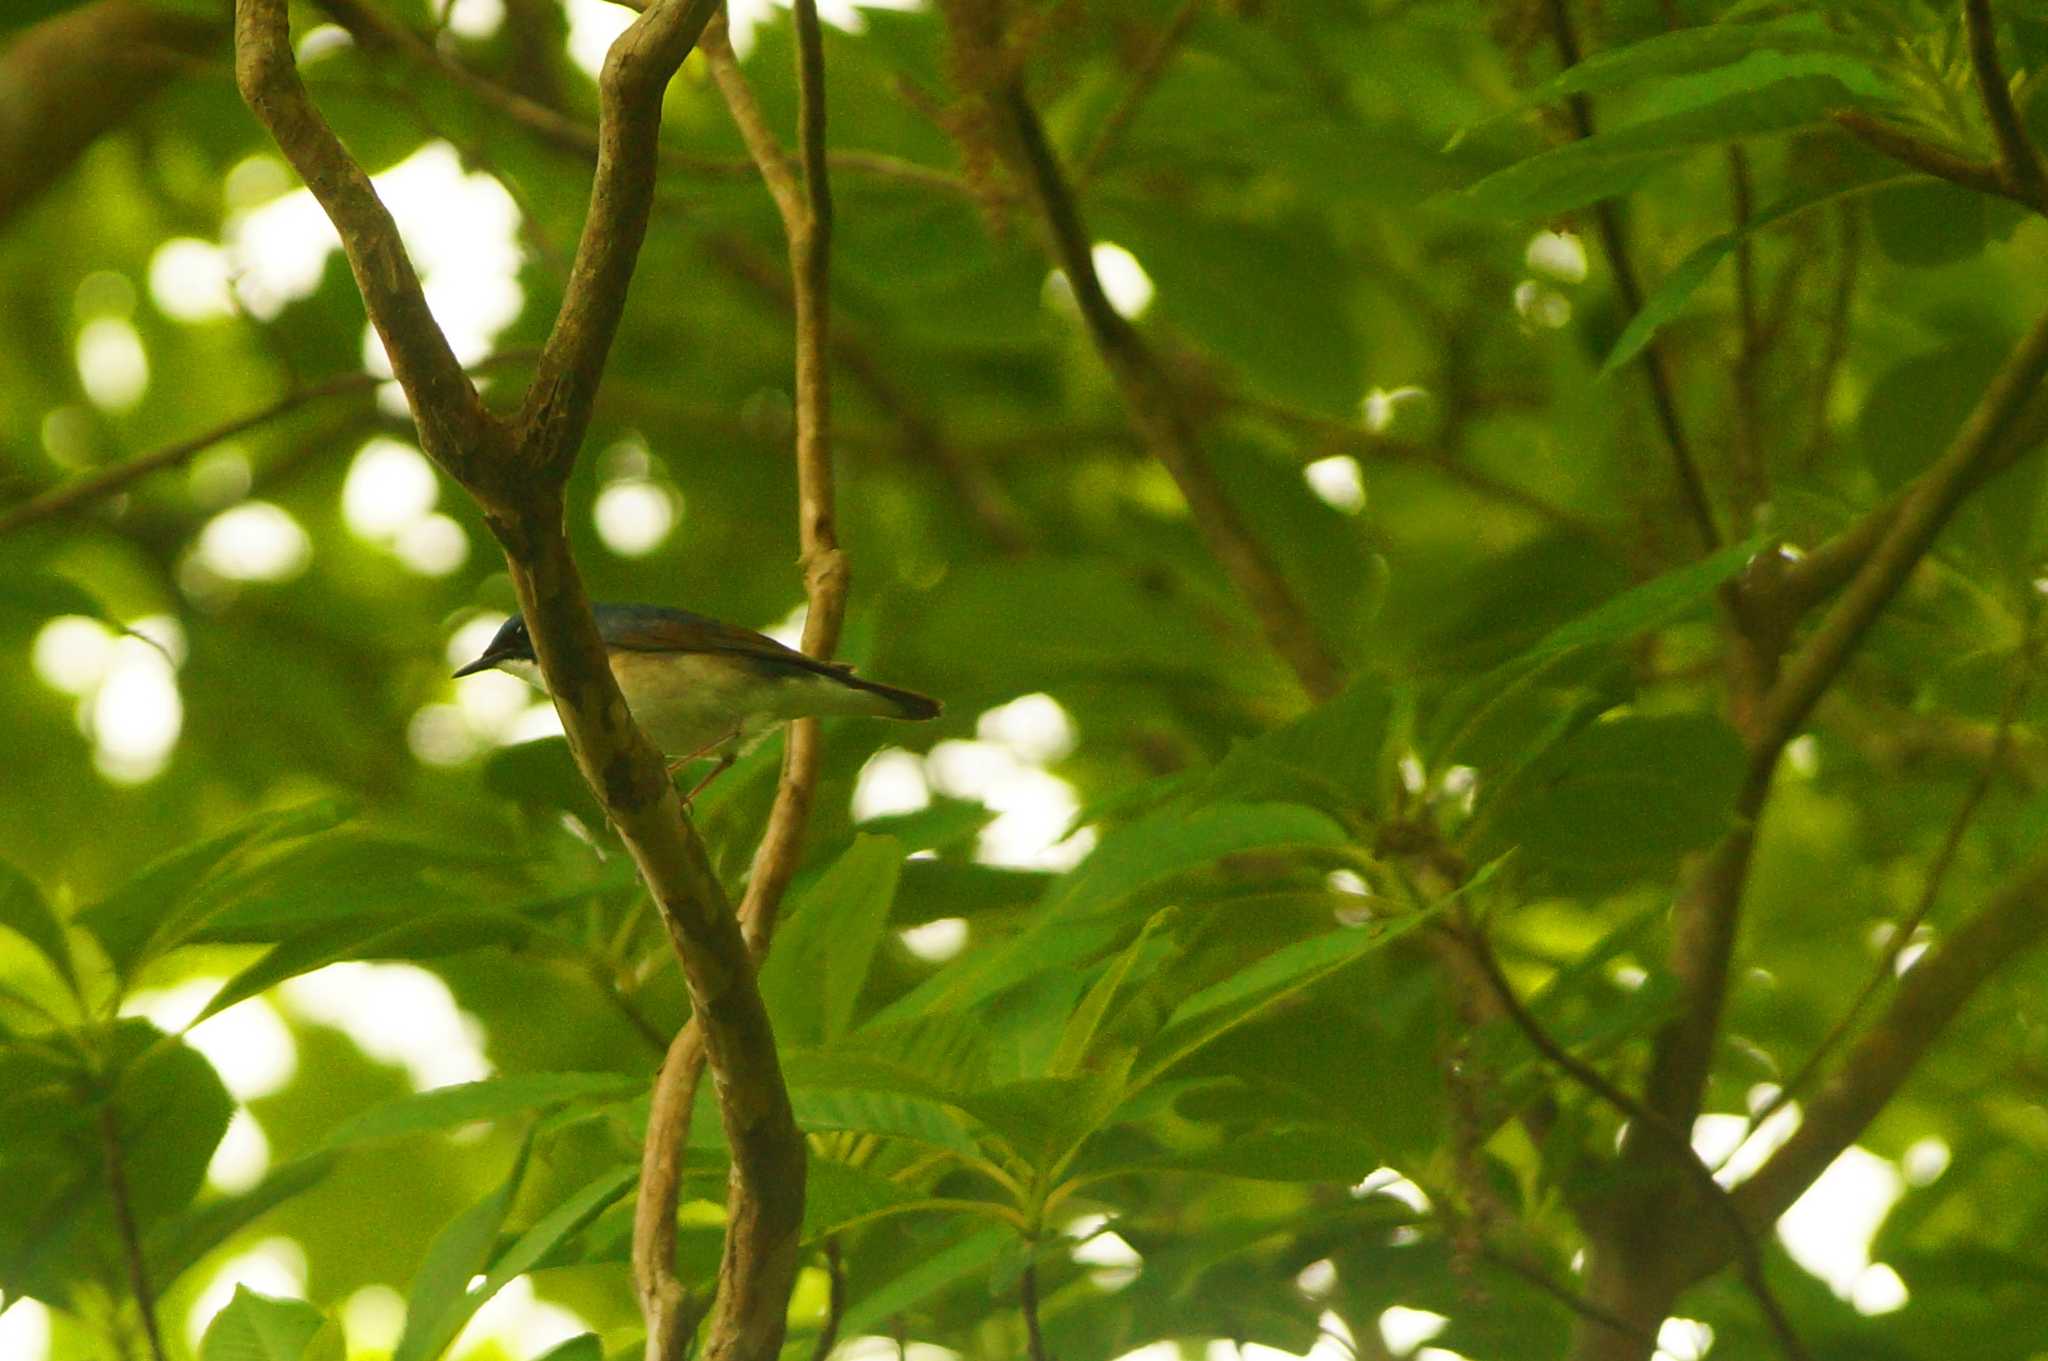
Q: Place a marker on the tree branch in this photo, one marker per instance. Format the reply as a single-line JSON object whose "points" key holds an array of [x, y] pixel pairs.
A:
{"points": [[517, 475], [1994, 764], [1156, 410], [1903, 537], [630, 86], [1027, 1301], [67, 497], [805, 205], [1929, 996], [454, 426], [1676, 1145], [78, 75]]}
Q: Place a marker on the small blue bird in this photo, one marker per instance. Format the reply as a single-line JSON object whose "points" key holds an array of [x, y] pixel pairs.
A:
{"points": [[700, 688]]}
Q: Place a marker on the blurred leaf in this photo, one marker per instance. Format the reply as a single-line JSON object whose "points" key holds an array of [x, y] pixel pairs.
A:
{"points": [[1929, 224], [1330, 758], [1616, 162], [814, 976], [1223, 1006], [1078, 1038], [1307, 1154], [1624, 796], [1175, 841], [166, 1114], [1651, 605], [1688, 50], [180, 1241], [490, 1099], [379, 937], [837, 1195], [168, 899], [930, 1273], [23, 911], [1670, 297], [257, 1327], [436, 1308], [892, 1113]]}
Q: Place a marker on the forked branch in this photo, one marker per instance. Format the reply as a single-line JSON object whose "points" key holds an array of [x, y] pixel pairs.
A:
{"points": [[517, 472]]}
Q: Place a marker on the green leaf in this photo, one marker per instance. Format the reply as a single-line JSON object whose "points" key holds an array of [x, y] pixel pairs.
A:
{"points": [[459, 1253], [1042, 1118], [1702, 47], [582, 1347], [490, 1099], [815, 974], [563, 1222], [162, 1106], [167, 900], [1175, 841], [24, 911], [257, 1327], [380, 937], [1223, 1006], [1624, 796], [1614, 163], [1930, 223], [870, 1112], [1312, 1153], [1652, 605], [178, 1242], [932, 1273], [1670, 297], [1328, 758], [1079, 1034], [838, 1195]]}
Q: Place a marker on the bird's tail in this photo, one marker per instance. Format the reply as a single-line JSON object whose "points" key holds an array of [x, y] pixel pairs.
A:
{"points": [[892, 702]]}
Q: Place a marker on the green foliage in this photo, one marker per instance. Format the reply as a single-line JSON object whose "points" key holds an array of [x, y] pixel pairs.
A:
{"points": [[257, 1327], [1170, 950]]}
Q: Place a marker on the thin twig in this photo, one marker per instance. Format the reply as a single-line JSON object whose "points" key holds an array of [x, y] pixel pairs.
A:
{"points": [[1157, 411], [1752, 474], [914, 431], [70, 496], [1350, 439], [2018, 161], [1909, 148], [555, 129], [835, 1301], [1150, 68], [124, 1225], [1565, 1295], [1027, 1301], [1749, 1256], [1841, 308], [1656, 365]]}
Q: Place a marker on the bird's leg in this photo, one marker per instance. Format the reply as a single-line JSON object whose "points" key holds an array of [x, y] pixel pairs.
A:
{"points": [[724, 764], [731, 743], [713, 745]]}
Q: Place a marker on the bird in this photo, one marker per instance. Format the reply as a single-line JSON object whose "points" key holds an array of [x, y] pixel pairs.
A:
{"points": [[701, 688]]}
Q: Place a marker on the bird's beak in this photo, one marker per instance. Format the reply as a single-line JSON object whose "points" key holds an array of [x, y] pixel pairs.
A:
{"points": [[483, 663]]}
